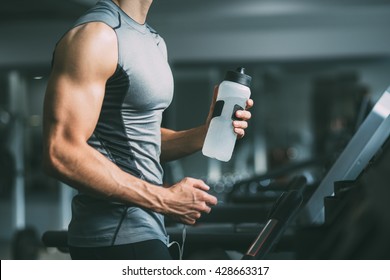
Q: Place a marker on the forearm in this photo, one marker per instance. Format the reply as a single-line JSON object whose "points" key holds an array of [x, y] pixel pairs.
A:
{"points": [[90, 172], [177, 144]]}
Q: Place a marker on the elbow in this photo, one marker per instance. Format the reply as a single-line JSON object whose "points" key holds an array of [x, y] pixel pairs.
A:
{"points": [[51, 163]]}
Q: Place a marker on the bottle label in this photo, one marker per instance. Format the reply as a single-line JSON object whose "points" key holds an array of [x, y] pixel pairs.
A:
{"points": [[235, 109], [218, 108]]}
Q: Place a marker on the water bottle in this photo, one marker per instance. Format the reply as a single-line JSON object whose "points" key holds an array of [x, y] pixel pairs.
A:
{"points": [[233, 93]]}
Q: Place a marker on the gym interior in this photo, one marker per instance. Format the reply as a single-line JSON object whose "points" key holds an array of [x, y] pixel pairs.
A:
{"points": [[310, 179]]}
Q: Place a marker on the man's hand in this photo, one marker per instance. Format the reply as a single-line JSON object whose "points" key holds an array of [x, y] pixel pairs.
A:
{"points": [[244, 116], [187, 200], [239, 126]]}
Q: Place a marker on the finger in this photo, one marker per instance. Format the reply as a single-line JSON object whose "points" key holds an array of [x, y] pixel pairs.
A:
{"points": [[199, 184], [206, 209], [240, 132], [240, 124], [243, 115], [249, 103], [206, 199], [197, 216], [201, 208], [210, 200], [188, 221], [193, 217]]}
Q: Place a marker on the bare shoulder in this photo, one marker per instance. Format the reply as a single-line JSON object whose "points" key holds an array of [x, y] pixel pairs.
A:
{"points": [[91, 44], [92, 32]]}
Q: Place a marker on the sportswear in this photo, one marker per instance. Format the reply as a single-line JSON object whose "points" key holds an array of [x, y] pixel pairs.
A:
{"points": [[127, 132]]}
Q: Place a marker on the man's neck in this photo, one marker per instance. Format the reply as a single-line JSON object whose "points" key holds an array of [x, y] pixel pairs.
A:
{"points": [[136, 9]]}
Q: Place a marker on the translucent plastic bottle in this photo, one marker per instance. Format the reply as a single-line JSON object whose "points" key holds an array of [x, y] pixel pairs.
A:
{"points": [[233, 93]]}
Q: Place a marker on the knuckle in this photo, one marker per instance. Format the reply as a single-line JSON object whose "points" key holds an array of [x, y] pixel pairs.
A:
{"points": [[186, 180]]}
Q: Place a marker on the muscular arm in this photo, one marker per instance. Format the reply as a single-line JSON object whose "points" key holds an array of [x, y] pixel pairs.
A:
{"points": [[177, 144], [85, 58]]}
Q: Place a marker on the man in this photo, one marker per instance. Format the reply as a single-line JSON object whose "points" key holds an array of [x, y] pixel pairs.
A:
{"points": [[109, 85]]}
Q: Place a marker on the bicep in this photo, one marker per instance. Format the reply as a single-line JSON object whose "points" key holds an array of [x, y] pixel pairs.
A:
{"points": [[76, 87]]}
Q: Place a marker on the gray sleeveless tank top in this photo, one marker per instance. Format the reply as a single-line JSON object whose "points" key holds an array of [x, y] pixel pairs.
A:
{"points": [[127, 132]]}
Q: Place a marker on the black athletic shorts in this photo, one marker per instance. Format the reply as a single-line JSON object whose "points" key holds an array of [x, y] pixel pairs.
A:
{"points": [[145, 250]]}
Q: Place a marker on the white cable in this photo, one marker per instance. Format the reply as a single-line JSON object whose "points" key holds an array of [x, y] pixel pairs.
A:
{"points": [[181, 248]]}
